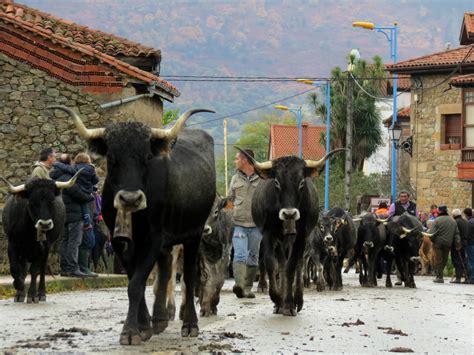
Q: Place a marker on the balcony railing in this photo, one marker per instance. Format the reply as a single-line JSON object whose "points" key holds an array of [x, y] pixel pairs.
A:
{"points": [[467, 155]]}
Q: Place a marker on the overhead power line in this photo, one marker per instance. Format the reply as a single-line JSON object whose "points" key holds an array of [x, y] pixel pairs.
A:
{"points": [[255, 108]]}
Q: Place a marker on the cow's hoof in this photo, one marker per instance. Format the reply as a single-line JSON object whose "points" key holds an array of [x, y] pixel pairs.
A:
{"points": [[159, 326], [129, 338], [189, 331], [388, 284], [19, 298], [320, 287], [398, 283], [32, 299], [146, 333], [171, 312], [277, 310], [42, 298], [289, 311], [205, 312]]}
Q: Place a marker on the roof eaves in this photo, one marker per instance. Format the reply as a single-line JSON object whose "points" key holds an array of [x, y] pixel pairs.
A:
{"points": [[89, 51]]}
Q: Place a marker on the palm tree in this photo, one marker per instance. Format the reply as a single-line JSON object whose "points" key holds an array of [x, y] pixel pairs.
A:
{"points": [[367, 135]]}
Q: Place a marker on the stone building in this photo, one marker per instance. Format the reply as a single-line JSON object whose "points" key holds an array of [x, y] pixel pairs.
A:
{"points": [[441, 111], [48, 60]]}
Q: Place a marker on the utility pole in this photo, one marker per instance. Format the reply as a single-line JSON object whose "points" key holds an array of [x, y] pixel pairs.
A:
{"points": [[354, 55], [225, 154], [348, 165]]}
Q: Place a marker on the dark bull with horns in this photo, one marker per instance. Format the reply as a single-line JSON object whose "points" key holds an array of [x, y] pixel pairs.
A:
{"points": [[285, 208], [33, 219], [159, 190]]}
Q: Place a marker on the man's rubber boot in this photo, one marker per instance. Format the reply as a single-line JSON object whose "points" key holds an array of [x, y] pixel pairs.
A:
{"points": [[249, 279], [240, 270], [83, 261]]}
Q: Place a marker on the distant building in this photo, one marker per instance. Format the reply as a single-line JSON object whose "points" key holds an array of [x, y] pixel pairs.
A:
{"points": [[379, 162], [284, 141]]}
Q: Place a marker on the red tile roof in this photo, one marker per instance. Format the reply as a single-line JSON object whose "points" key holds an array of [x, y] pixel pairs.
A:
{"points": [[403, 113], [463, 80], [467, 29], [19, 32], [446, 60], [403, 84], [284, 141], [103, 42]]}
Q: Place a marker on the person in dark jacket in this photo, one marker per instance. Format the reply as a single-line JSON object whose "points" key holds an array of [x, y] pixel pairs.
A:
{"points": [[470, 244], [444, 232], [458, 257], [403, 205], [73, 229]]}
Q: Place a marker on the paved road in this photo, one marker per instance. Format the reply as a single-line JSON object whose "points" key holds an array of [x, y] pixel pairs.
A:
{"points": [[431, 318]]}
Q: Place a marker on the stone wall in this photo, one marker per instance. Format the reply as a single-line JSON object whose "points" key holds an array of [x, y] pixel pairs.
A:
{"points": [[26, 127], [433, 171]]}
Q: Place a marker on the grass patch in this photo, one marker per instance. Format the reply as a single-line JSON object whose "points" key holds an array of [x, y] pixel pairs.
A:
{"points": [[61, 284]]}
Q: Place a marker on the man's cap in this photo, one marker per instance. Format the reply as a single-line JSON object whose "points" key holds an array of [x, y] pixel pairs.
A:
{"points": [[456, 212]]}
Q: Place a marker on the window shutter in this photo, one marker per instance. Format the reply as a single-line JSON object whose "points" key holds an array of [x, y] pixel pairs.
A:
{"points": [[453, 129]]}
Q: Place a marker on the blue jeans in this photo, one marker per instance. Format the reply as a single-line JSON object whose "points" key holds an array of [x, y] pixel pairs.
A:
{"points": [[246, 242], [70, 246], [470, 258]]}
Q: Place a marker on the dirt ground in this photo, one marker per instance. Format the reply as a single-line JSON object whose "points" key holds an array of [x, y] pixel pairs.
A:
{"points": [[431, 318]]}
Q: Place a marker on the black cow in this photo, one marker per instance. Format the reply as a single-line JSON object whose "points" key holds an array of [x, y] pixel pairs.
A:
{"points": [[33, 219], [315, 255], [214, 256], [285, 209], [371, 238], [159, 190], [338, 231], [404, 237]]}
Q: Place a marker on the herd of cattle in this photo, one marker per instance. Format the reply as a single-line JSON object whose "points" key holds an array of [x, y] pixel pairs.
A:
{"points": [[159, 201]]}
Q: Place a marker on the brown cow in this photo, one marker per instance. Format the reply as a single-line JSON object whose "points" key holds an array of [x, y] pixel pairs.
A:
{"points": [[426, 255]]}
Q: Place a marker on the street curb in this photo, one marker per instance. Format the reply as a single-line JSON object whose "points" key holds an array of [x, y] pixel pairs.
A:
{"points": [[61, 284]]}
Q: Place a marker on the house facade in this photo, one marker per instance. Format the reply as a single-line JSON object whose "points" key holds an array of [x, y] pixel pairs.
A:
{"points": [[47, 60], [441, 112]]}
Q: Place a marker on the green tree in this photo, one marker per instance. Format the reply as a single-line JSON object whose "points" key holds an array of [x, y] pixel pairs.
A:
{"points": [[170, 116], [367, 135]]}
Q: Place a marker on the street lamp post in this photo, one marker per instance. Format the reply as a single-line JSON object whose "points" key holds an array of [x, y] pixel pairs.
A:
{"points": [[390, 33], [299, 125], [327, 96]]}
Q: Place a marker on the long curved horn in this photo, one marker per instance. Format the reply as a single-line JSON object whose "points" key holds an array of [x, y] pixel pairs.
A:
{"points": [[84, 132], [356, 219], [406, 230], [316, 164], [70, 182], [172, 132], [260, 166], [380, 220], [13, 189], [427, 234]]}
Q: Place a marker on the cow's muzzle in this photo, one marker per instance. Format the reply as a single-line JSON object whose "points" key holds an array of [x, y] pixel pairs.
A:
{"points": [[130, 201], [369, 244], [289, 214], [207, 230], [44, 225], [328, 239]]}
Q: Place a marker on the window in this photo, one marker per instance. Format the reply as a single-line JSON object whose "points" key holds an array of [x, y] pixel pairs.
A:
{"points": [[452, 129], [469, 118]]}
